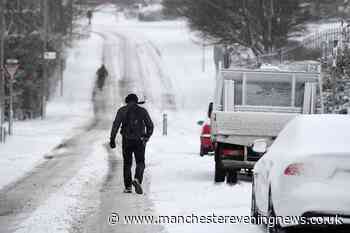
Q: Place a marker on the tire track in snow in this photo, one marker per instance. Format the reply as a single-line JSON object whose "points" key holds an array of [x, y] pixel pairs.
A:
{"points": [[111, 197], [19, 200], [152, 81], [168, 96]]}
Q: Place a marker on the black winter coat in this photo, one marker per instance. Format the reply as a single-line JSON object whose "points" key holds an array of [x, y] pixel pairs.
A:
{"points": [[145, 131]]}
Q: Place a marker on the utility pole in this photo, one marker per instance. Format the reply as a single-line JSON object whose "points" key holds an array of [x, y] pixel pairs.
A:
{"points": [[60, 60], [45, 71], [71, 5], [2, 72], [61, 44], [270, 20], [334, 71]]}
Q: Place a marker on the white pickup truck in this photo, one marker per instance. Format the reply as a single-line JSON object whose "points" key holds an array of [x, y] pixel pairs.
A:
{"points": [[256, 104]]}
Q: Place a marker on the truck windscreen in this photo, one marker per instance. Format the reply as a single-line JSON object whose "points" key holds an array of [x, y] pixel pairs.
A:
{"points": [[268, 93], [269, 90]]}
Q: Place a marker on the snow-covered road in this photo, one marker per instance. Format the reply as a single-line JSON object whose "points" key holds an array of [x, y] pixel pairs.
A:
{"points": [[81, 185]]}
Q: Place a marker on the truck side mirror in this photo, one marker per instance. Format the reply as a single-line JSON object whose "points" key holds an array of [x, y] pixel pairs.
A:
{"points": [[210, 109], [260, 146]]}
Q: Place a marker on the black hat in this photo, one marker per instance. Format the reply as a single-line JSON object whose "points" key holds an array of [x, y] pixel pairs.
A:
{"points": [[131, 98]]}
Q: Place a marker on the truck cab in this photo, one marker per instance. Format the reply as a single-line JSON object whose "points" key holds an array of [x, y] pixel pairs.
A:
{"points": [[256, 104]]}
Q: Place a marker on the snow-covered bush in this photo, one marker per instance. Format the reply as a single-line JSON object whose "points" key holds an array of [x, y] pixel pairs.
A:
{"points": [[151, 13]]}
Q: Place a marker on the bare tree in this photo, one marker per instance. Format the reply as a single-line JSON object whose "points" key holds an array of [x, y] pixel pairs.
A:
{"points": [[24, 40], [262, 25]]}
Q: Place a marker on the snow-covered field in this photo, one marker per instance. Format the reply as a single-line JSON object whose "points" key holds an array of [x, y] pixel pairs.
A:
{"points": [[317, 27]]}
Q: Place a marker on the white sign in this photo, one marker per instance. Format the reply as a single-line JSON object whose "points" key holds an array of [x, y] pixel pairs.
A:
{"points": [[50, 55], [11, 61], [11, 66], [11, 69]]}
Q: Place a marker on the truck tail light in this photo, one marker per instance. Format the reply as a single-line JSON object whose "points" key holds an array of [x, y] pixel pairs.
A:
{"points": [[295, 169], [232, 152]]}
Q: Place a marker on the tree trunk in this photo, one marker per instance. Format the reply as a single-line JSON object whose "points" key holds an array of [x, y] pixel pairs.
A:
{"points": [[318, 8], [2, 74], [270, 20]]}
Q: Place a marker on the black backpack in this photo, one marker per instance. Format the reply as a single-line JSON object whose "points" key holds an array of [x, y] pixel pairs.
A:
{"points": [[134, 126]]}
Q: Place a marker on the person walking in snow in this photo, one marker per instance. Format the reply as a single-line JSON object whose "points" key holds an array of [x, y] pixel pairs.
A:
{"points": [[102, 74], [136, 129]]}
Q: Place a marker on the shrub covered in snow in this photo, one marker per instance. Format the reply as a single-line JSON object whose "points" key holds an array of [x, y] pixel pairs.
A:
{"points": [[151, 13]]}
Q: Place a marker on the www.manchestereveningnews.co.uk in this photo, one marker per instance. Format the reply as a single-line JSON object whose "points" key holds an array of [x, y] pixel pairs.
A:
{"points": [[116, 218]]}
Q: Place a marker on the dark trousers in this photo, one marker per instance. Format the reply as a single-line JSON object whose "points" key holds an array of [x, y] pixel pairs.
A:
{"points": [[137, 148]]}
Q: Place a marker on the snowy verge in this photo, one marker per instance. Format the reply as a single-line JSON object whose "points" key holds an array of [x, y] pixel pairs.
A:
{"points": [[182, 182], [64, 208], [66, 116]]}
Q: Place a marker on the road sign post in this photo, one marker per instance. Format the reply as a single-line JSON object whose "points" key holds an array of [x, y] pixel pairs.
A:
{"points": [[47, 55], [11, 68], [165, 124]]}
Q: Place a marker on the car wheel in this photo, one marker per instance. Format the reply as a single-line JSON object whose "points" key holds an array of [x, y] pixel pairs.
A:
{"points": [[272, 228], [219, 172], [232, 177], [253, 212], [202, 152]]}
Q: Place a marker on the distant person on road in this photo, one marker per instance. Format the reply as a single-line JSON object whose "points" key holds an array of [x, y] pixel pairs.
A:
{"points": [[136, 129], [89, 16], [102, 74]]}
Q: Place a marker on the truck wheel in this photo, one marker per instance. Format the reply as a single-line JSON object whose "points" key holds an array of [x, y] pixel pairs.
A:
{"points": [[232, 177], [219, 173]]}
